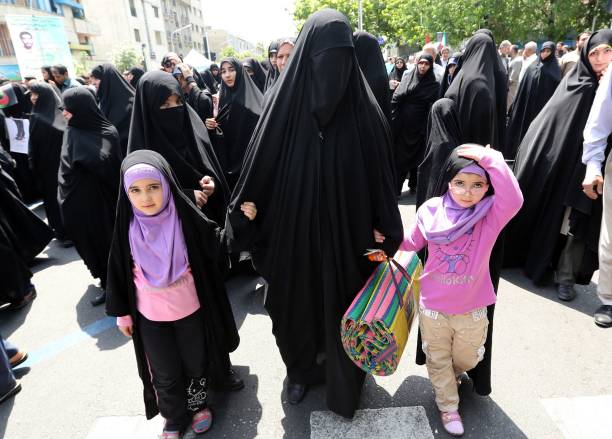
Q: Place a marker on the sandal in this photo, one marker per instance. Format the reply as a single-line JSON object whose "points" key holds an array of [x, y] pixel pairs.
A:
{"points": [[202, 421], [452, 423], [18, 358]]}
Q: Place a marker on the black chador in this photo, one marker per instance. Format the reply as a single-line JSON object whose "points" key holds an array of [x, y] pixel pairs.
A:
{"points": [[116, 97], [273, 72], [239, 110], [319, 168], [89, 179], [180, 136], [47, 125], [549, 170], [538, 85], [259, 73]]}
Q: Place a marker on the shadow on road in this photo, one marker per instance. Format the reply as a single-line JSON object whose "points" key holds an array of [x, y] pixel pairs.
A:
{"points": [[11, 320], [586, 300], [246, 294], [54, 255]]}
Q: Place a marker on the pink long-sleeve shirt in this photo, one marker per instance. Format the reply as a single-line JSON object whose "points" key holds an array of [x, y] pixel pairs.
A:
{"points": [[456, 278], [174, 302]]}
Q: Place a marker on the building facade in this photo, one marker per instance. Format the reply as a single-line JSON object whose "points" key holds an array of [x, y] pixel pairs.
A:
{"points": [[79, 28], [184, 23], [129, 24], [218, 39]]}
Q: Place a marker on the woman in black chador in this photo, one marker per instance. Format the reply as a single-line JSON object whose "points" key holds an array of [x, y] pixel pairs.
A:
{"points": [[273, 72], [116, 97], [256, 72], [240, 104], [162, 122], [212, 78], [319, 169], [372, 65], [538, 85], [409, 109], [549, 170], [47, 127], [89, 181]]}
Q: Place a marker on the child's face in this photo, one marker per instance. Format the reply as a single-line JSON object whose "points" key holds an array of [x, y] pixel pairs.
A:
{"points": [[147, 195], [467, 189]]}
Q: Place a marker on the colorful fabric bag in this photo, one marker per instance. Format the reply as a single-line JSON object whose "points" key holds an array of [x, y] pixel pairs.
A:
{"points": [[375, 328]]}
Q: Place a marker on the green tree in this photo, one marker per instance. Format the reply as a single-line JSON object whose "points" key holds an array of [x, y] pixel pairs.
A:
{"points": [[227, 52], [126, 58]]}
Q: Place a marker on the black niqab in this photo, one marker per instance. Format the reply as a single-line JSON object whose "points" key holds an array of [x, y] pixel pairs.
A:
{"points": [[116, 97], [372, 65], [480, 90], [259, 74], [549, 170], [538, 85], [179, 136], [319, 168], [203, 240]]}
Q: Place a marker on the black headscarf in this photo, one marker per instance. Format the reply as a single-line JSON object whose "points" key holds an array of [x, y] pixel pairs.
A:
{"points": [[211, 81], [273, 72], [397, 74], [204, 250], [443, 136], [535, 89], [549, 170], [239, 110], [410, 106], [372, 65], [480, 90], [136, 73], [447, 79], [320, 171], [259, 74], [89, 179], [116, 97]]}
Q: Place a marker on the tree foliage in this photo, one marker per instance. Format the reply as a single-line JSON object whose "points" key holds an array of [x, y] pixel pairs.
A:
{"points": [[406, 22], [127, 58]]}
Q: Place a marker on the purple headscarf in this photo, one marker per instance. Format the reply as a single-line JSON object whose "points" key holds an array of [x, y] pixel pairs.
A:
{"points": [[157, 241], [441, 220]]}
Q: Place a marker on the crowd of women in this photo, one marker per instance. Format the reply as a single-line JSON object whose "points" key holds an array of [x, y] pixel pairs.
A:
{"points": [[166, 182]]}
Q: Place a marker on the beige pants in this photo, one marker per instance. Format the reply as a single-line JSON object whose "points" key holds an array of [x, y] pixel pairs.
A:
{"points": [[604, 287], [453, 344]]}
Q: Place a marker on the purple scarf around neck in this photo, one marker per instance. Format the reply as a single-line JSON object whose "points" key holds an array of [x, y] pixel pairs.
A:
{"points": [[156, 241]]}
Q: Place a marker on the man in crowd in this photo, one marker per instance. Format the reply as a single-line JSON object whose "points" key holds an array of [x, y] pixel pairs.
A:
{"points": [[62, 78], [504, 52], [530, 55], [569, 60], [560, 49], [514, 69], [444, 55]]}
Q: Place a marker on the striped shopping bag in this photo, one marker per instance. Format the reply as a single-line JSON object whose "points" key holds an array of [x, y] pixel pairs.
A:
{"points": [[375, 328]]}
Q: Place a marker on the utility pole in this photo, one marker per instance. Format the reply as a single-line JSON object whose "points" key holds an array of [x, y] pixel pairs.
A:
{"points": [[146, 23], [360, 24], [176, 32]]}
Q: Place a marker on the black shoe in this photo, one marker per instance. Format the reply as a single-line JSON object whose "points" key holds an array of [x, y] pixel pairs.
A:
{"points": [[566, 293], [27, 299], [15, 390], [231, 382], [603, 316], [99, 299], [296, 392]]}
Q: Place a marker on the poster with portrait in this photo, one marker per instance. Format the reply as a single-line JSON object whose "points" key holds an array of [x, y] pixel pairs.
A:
{"points": [[38, 41], [18, 132]]}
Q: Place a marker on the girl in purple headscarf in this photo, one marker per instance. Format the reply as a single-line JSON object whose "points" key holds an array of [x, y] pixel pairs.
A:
{"points": [[166, 288], [459, 230]]}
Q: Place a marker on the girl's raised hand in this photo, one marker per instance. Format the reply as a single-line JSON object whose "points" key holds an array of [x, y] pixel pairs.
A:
{"points": [[249, 209], [126, 330], [474, 152]]}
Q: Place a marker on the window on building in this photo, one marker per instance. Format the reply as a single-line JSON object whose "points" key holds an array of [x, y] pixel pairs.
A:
{"points": [[133, 9], [6, 46], [137, 35], [158, 38], [156, 11]]}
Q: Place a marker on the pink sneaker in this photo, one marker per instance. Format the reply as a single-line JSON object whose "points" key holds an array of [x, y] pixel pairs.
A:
{"points": [[202, 421], [452, 423]]}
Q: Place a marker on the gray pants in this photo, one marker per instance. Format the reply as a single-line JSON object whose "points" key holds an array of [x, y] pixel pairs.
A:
{"points": [[570, 261], [604, 289]]}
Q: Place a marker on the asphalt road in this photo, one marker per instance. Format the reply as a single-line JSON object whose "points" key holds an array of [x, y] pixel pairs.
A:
{"points": [[551, 368]]}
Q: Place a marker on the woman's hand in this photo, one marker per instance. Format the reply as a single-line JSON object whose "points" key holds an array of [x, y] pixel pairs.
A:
{"points": [[200, 198], [211, 123], [249, 209], [126, 330], [378, 237], [208, 185]]}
